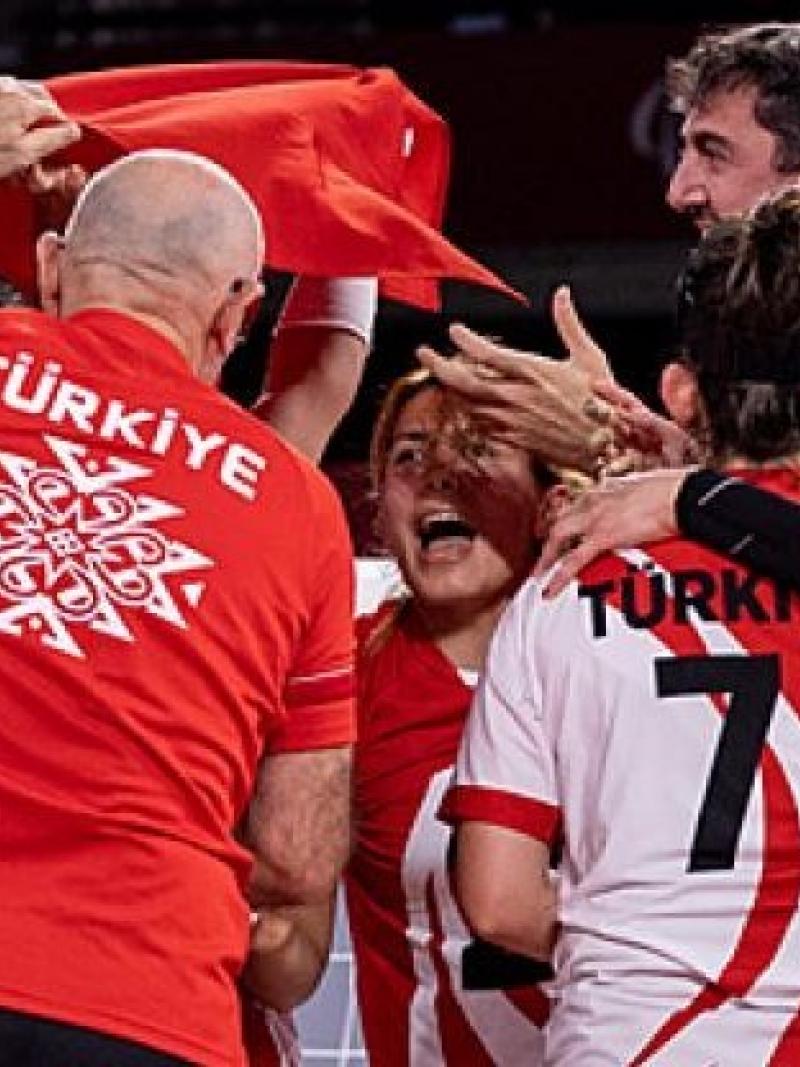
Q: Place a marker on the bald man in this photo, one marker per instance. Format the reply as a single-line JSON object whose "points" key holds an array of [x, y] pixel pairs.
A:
{"points": [[175, 637]]}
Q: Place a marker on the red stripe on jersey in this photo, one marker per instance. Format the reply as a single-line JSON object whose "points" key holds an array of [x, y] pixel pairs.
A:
{"points": [[777, 896], [531, 1002], [321, 689], [787, 1051], [460, 1043], [782, 833], [481, 804]]}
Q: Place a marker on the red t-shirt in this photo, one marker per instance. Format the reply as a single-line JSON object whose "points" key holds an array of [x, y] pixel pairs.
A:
{"points": [[175, 600], [426, 994]]}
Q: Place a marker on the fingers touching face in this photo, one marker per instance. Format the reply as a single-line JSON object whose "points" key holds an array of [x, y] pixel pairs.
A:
{"points": [[457, 510]]}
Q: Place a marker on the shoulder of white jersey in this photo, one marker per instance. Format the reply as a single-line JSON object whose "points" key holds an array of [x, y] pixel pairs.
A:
{"points": [[377, 580]]}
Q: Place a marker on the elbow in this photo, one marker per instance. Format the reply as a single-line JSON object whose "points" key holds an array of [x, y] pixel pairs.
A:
{"points": [[289, 880], [288, 886], [515, 926], [534, 940]]}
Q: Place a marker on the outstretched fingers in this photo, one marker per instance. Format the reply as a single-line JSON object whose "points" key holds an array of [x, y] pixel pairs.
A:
{"points": [[491, 356], [456, 374], [584, 352]]}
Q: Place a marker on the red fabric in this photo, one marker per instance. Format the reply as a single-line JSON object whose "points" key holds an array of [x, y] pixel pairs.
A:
{"points": [[465, 803], [156, 601], [261, 1050], [411, 711], [269, 1038], [320, 149]]}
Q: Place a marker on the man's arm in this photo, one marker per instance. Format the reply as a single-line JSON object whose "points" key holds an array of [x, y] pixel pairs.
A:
{"points": [[317, 359], [505, 888], [289, 949], [299, 826], [299, 829]]}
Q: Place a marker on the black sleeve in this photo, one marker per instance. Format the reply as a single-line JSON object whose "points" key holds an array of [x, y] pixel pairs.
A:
{"points": [[751, 525]]}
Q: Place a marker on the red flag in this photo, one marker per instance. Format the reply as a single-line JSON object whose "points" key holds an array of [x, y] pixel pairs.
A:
{"points": [[348, 168]]}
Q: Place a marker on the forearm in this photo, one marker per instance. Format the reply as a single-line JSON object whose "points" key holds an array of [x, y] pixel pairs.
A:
{"points": [[749, 524], [313, 379], [298, 827], [288, 952], [522, 927], [505, 889], [317, 358]]}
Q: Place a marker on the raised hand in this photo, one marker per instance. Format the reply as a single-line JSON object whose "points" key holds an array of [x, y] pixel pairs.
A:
{"points": [[32, 128], [583, 351]]}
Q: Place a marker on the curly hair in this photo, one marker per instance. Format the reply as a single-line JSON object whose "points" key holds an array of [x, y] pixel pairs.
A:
{"points": [[765, 57], [739, 320]]}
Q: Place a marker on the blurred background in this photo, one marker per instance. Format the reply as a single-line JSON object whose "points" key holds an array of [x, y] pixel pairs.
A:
{"points": [[561, 145]]}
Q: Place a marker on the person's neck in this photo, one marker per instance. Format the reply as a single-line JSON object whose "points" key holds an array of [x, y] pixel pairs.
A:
{"points": [[463, 637], [174, 319], [154, 322]]}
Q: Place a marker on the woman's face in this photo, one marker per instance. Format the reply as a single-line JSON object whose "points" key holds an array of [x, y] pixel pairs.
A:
{"points": [[461, 526]]}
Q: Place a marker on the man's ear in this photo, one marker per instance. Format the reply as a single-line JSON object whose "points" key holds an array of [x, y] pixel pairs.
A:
{"points": [[48, 272], [679, 393], [225, 329]]}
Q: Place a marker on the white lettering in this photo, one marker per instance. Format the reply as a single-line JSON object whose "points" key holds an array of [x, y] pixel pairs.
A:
{"points": [[122, 423], [36, 403], [76, 403], [199, 446], [240, 469], [25, 388], [162, 438]]}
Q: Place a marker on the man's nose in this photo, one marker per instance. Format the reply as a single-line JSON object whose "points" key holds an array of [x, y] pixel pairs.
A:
{"points": [[685, 189]]}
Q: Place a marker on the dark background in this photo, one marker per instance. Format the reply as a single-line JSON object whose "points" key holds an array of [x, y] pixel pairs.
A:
{"points": [[561, 144]]}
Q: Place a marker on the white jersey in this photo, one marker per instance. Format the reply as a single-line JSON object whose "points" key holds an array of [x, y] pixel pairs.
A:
{"points": [[377, 580], [649, 720]]}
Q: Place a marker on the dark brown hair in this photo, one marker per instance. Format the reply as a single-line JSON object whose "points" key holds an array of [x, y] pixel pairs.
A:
{"points": [[739, 319], [765, 56]]}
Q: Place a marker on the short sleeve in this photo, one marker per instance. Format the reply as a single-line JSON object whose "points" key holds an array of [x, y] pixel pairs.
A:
{"points": [[505, 772], [320, 691]]}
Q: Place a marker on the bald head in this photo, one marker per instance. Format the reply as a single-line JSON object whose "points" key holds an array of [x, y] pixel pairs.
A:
{"points": [[175, 214], [164, 235]]}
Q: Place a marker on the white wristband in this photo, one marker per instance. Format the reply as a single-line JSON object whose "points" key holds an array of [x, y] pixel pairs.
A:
{"points": [[336, 303]]}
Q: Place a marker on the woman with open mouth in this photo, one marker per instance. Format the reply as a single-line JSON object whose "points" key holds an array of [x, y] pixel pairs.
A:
{"points": [[458, 512]]}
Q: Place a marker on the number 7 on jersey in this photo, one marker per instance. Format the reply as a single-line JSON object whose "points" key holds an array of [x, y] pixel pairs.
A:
{"points": [[754, 685]]}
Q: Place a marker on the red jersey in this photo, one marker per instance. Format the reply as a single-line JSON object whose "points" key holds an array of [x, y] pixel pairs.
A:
{"points": [[175, 600], [270, 1037], [651, 715], [427, 994], [353, 182]]}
